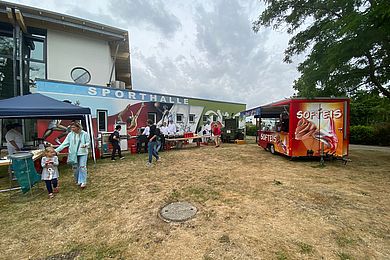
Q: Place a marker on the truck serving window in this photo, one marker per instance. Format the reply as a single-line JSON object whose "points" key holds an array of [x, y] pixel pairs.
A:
{"points": [[269, 124]]}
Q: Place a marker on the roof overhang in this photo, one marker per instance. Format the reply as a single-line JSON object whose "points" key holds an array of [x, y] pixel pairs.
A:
{"points": [[50, 20], [274, 109]]}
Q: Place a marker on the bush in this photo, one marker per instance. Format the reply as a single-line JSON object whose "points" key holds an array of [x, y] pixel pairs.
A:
{"points": [[251, 130], [374, 135], [361, 134], [382, 134]]}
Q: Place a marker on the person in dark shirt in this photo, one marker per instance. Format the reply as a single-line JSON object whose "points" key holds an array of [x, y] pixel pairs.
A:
{"points": [[115, 139], [152, 143], [284, 118]]}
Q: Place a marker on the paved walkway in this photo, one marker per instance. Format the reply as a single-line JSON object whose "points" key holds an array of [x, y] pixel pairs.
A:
{"points": [[370, 147]]}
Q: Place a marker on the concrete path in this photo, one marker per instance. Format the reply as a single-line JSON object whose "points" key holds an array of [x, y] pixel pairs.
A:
{"points": [[369, 147]]}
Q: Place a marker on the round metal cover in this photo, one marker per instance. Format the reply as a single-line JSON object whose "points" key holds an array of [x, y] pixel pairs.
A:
{"points": [[178, 212]]}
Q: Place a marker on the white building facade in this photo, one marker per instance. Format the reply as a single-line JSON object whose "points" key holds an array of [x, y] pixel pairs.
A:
{"points": [[39, 44]]}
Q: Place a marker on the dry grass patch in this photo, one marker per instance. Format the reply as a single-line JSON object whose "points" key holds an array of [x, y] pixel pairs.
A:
{"points": [[252, 205]]}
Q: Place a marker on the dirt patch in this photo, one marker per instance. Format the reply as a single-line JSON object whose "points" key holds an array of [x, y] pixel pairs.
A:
{"points": [[251, 205]]}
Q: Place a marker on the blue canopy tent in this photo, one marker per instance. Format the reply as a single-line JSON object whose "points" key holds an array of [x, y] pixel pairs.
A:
{"points": [[40, 106], [43, 107]]}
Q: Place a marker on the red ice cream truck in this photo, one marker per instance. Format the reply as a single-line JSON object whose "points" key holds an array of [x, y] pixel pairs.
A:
{"points": [[300, 127]]}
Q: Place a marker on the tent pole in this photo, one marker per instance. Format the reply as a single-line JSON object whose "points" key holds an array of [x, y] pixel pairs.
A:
{"points": [[87, 123], [93, 138], [88, 128]]}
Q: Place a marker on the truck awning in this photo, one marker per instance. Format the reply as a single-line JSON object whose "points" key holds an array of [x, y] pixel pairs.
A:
{"points": [[267, 111]]}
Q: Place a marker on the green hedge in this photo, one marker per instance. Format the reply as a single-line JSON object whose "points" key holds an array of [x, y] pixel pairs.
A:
{"points": [[382, 134], [361, 134], [373, 135], [251, 130]]}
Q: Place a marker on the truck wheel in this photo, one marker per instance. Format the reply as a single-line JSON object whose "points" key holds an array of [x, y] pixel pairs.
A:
{"points": [[272, 149]]}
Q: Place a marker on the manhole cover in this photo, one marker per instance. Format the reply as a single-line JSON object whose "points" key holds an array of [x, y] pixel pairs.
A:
{"points": [[178, 212]]}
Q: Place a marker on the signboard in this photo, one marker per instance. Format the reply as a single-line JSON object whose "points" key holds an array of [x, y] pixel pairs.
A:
{"points": [[318, 125]]}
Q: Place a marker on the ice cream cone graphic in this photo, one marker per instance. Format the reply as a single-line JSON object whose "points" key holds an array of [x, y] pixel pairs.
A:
{"points": [[281, 143], [311, 144], [328, 137], [305, 132]]}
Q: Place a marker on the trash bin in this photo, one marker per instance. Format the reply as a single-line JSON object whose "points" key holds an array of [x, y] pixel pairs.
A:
{"points": [[133, 149]]}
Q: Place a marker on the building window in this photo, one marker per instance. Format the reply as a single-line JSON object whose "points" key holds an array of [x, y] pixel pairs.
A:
{"points": [[205, 118], [102, 120], [6, 64], [34, 54], [152, 116], [179, 118], [6, 44], [215, 118], [37, 70], [30, 55], [191, 118], [80, 75]]}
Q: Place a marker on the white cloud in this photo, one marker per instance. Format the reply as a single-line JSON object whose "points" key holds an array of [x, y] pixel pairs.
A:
{"points": [[152, 15], [200, 48]]}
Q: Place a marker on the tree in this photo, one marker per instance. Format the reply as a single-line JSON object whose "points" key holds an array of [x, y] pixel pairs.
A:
{"points": [[347, 43], [369, 108]]}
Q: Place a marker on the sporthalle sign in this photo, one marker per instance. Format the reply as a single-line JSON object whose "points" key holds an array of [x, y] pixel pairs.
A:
{"points": [[105, 92], [124, 94], [324, 114]]}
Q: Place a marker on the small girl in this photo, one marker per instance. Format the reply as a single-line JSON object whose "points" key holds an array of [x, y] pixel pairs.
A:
{"points": [[50, 171]]}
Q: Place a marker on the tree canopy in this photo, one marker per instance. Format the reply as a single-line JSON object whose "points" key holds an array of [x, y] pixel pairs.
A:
{"points": [[347, 43], [369, 108]]}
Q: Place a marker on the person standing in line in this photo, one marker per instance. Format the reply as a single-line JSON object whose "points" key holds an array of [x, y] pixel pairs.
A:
{"points": [[14, 138], [206, 132], [217, 134], [50, 173], [143, 139], [115, 140], [164, 134], [146, 129], [78, 142], [171, 128], [152, 143]]}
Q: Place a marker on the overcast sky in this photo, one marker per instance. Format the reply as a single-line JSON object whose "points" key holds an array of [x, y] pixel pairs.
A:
{"points": [[195, 48]]}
